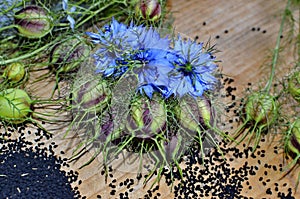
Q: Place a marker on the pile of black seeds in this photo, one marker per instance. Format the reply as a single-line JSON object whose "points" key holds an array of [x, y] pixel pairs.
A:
{"points": [[213, 176], [29, 171]]}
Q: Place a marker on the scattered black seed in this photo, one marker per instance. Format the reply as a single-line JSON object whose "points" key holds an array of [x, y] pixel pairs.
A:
{"points": [[217, 37], [269, 191], [225, 31], [264, 31], [204, 23]]}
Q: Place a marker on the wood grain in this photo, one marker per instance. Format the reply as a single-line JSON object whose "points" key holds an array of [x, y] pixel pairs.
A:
{"points": [[245, 33]]}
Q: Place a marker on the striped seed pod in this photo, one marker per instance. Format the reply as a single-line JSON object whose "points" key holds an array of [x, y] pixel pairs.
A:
{"points": [[147, 117], [261, 108], [195, 114], [15, 72], [148, 9], [15, 105], [67, 56], [92, 96], [33, 22]]}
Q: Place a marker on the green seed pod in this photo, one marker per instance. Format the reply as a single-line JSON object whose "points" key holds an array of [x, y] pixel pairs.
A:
{"points": [[92, 96], [294, 86], [293, 144], [33, 22], [195, 114], [66, 56], [148, 9], [261, 108], [15, 72], [15, 105], [147, 117]]}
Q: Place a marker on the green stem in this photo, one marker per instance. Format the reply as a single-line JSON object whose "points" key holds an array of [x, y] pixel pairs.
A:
{"points": [[276, 49], [16, 59], [95, 13], [8, 27]]}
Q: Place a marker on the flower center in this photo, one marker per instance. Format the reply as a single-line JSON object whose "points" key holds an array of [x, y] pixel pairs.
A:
{"points": [[186, 69]]}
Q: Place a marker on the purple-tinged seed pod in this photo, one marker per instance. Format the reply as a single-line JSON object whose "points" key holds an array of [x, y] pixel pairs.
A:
{"points": [[33, 22], [92, 96], [147, 117], [66, 56], [148, 9], [195, 114]]}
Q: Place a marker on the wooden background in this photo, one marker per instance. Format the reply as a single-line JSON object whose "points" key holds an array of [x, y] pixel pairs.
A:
{"points": [[245, 33]]}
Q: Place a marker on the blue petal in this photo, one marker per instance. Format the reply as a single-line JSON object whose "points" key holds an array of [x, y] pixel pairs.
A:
{"points": [[65, 4], [72, 22]]}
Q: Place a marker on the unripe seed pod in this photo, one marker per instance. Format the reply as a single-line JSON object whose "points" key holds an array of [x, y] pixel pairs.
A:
{"points": [[195, 114], [294, 140], [15, 72], [92, 96], [294, 86], [15, 105], [33, 22], [147, 117], [261, 108], [67, 55], [148, 9]]}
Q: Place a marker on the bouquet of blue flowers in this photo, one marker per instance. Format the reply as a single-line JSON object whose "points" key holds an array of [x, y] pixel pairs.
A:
{"points": [[146, 91]]}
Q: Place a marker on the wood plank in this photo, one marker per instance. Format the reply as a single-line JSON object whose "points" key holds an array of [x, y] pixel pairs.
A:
{"points": [[245, 33]]}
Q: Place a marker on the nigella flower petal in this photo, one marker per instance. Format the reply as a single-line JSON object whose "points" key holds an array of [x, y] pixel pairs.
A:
{"points": [[147, 89], [73, 9], [65, 4], [72, 22], [96, 38]]}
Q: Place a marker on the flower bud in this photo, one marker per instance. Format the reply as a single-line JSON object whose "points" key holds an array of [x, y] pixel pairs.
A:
{"points": [[92, 96], [294, 140], [147, 117], [195, 114], [294, 86], [14, 72], [15, 105], [67, 55], [33, 22], [261, 108], [148, 9]]}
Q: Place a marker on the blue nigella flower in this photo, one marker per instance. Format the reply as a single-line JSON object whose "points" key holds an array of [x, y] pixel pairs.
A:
{"points": [[115, 45], [137, 47], [193, 69], [152, 68]]}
